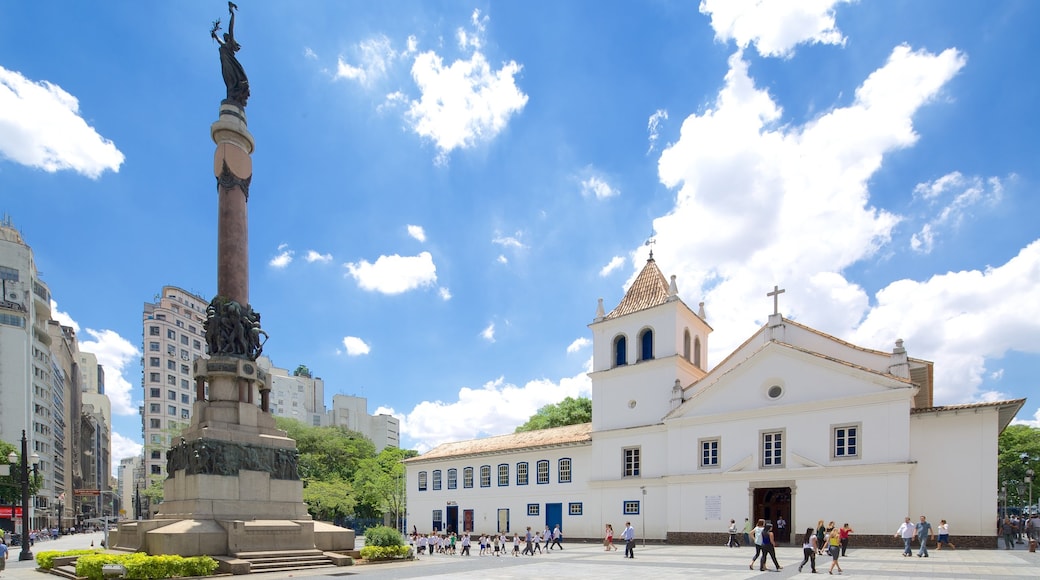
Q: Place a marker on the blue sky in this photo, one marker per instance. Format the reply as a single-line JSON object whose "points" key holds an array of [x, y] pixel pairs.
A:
{"points": [[442, 190]]}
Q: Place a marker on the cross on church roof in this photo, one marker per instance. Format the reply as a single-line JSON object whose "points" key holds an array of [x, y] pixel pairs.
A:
{"points": [[777, 291]]}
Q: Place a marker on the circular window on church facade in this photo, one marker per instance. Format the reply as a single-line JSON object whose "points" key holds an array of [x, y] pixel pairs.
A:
{"points": [[775, 392], [773, 388]]}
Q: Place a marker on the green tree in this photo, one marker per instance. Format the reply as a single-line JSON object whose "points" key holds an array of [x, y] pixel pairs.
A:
{"points": [[569, 411], [328, 499], [1018, 450], [379, 482], [11, 485], [302, 371], [327, 452]]}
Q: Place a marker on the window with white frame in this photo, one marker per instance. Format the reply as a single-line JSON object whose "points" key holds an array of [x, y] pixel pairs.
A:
{"points": [[467, 477], [485, 476], [521, 473], [453, 478], [543, 471], [422, 481], [436, 479], [574, 508], [709, 452], [631, 508], [503, 474], [532, 509], [772, 448], [631, 462], [564, 470], [846, 441]]}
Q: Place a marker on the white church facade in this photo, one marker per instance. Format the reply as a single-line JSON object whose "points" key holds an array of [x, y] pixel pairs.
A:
{"points": [[794, 423]]}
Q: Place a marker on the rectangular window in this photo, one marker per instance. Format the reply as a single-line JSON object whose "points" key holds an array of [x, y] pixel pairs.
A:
{"points": [[155, 423], [156, 454], [543, 471], [436, 479], [153, 346], [485, 476], [156, 439], [422, 481], [184, 399], [185, 414], [170, 365], [153, 331], [533, 509], [185, 370], [184, 383], [574, 508], [565, 470], [773, 449], [196, 345], [503, 474], [153, 361], [709, 452], [467, 477], [521, 473], [631, 460], [154, 377], [846, 441], [171, 380], [453, 478], [171, 395], [155, 392], [184, 339], [438, 520], [171, 334], [171, 410], [631, 508], [153, 408]]}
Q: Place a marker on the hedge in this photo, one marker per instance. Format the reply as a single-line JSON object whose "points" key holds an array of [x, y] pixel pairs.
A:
{"points": [[140, 566], [384, 552], [46, 559]]}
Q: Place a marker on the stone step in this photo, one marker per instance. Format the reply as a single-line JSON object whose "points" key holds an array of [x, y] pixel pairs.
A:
{"points": [[68, 572]]}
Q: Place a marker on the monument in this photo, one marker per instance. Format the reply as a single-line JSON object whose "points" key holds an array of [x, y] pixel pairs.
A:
{"points": [[232, 486]]}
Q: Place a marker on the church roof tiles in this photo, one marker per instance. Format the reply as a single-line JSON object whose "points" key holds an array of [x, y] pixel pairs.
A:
{"points": [[649, 289]]}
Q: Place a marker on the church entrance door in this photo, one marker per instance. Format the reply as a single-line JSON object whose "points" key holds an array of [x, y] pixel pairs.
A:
{"points": [[773, 504]]}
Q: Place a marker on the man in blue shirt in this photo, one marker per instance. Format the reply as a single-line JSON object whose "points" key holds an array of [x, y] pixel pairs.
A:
{"points": [[629, 536], [924, 533]]}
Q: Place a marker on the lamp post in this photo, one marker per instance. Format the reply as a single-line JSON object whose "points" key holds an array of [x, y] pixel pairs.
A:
{"points": [[26, 553], [1029, 479]]}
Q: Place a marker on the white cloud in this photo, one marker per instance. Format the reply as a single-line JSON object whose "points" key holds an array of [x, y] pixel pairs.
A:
{"points": [[509, 241], [394, 274], [653, 125], [309, 54], [488, 333], [313, 256], [959, 194], [116, 354], [444, 293], [496, 408], [466, 102], [63, 318], [355, 346], [123, 447], [283, 258], [417, 232], [775, 27], [810, 182], [578, 344], [375, 55], [598, 187], [615, 263], [502, 259], [41, 127]]}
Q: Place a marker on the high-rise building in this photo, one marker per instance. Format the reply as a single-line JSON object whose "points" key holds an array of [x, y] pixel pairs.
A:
{"points": [[352, 413], [172, 338], [297, 396], [67, 408], [95, 439], [27, 397]]}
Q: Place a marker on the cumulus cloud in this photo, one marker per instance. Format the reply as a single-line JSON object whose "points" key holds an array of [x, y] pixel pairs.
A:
{"points": [[956, 195], [466, 102], [488, 333], [597, 187], [509, 241], [123, 447], [496, 408], [116, 354], [41, 127], [578, 344], [502, 259], [775, 27], [444, 293], [355, 346], [63, 318], [615, 263], [374, 57], [653, 125], [417, 232], [283, 258], [803, 215], [394, 274], [313, 256]]}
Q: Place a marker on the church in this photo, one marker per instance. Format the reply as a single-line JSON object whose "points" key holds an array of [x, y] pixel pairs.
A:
{"points": [[794, 424]]}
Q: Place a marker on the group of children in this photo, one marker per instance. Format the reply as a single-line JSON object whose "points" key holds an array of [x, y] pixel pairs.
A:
{"points": [[489, 544]]}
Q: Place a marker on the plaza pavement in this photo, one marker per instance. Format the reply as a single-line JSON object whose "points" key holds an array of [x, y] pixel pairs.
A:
{"points": [[657, 562]]}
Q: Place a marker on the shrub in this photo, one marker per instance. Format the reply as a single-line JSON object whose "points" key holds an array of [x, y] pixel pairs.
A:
{"points": [[384, 552], [140, 566], [46, 559], [383, 536]]}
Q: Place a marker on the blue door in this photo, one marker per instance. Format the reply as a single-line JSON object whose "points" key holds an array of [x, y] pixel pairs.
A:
{"points": [[554, 515]]}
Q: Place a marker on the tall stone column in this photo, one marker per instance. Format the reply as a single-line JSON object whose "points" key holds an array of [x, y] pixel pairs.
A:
{"points": [[233, 168]]}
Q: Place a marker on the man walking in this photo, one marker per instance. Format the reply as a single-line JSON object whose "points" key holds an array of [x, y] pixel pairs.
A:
{"points": [[629, 536], [906, 532], [924, 533], [747, 532], [528, 548]]}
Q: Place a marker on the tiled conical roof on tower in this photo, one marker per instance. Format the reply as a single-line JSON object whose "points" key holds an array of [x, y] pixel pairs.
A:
{"points": [[649, 289]]}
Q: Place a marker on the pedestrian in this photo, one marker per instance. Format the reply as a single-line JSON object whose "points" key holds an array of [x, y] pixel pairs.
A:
{"points": [[516, 544], [756, 533], [924, 533], [821, 534], [3, 555], [547, 537], [781, 529], [528, 548], [733, 543], [768, 543], [747, 532], [1008, 532], [844, 534], [906, 532], [834, 546], [608, 540], [944, 536], [809, 550], [557, 535], [465, 544], [629, 535], [537, 543]]}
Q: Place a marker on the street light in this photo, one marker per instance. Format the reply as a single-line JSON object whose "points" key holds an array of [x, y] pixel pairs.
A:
{"points": [[1029, 479], [12, 457]]}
